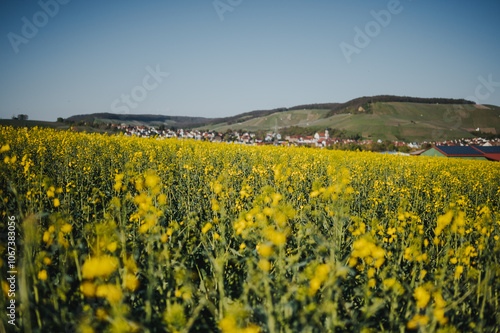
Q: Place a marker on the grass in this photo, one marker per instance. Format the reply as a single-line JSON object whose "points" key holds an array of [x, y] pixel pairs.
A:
{"points": [[301, 118]]}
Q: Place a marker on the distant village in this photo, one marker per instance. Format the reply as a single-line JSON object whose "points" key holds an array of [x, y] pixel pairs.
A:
{"points": [[318, 140]]}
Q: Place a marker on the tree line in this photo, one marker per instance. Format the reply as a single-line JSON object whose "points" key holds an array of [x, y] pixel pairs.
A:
{"points": [[365, 102]]}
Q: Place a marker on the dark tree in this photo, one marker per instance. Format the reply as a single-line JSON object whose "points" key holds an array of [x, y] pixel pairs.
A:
{"points": [[23, 117]]}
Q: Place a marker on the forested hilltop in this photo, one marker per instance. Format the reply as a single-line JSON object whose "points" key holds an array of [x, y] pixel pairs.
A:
{"points": [[363, 104]]}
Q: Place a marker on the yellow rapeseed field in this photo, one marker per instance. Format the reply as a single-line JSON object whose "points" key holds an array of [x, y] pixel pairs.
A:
{"points": [[119, 234]]}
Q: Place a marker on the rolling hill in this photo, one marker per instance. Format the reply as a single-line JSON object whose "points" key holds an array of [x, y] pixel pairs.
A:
{"points": [[186, 122], [403, 121], [379, 117], [139, 119]]}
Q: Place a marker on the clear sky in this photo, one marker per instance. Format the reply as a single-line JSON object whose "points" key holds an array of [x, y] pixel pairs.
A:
{"points": [[218, 58]]}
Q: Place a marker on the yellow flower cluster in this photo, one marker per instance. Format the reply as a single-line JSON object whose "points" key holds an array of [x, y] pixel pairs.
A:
{"points": [[102, 266], [133, 234], [367, 251], [230, 325], [320, 276]]}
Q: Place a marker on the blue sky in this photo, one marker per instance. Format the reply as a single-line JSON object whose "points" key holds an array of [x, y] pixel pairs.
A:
{"points": [[193, 59]]}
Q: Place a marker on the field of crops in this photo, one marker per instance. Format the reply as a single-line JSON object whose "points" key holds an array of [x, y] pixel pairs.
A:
{"points": [[118, 234]]}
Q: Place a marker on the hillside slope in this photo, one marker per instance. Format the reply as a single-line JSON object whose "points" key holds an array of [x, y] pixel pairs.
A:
{"points": [[386, 121], [302, 118], [138, 119], [418, 122], [383, 117]]}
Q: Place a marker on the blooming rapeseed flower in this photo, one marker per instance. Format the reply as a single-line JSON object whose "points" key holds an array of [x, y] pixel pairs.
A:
{"points": [[206, 228], [88, 289], [101, 266], [422, 296], [265, 250], [42, 275], [109, 291]]}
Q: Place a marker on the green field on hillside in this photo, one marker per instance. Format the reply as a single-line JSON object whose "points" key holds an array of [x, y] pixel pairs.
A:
{"points": [[417, 122], [301, 118], [388, 121]]}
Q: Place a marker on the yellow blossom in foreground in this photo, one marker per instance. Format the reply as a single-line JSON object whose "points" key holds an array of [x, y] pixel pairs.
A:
{"points": [[42, 275], [320, 276], [265, 250], [251, 329], [458, 271], [118, 182], [152, 179], [47, 237], [442, 222], [422, 297], [353, 261], [131, 282], [112, 246], [66, 228], [88, 289], [50, 192], [322, 271], [5, 148], [206, 228], [147, 223], [217, 188], [439, 305], [314, 194], [439, 315], [265, 265], [101, 314], [84, 328], [162, 199], [164, 238], [99, 267], [417, 321], [109, 291], [388, 283], [229, 325], [277, 237], [369, 251], [130, 264]]}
